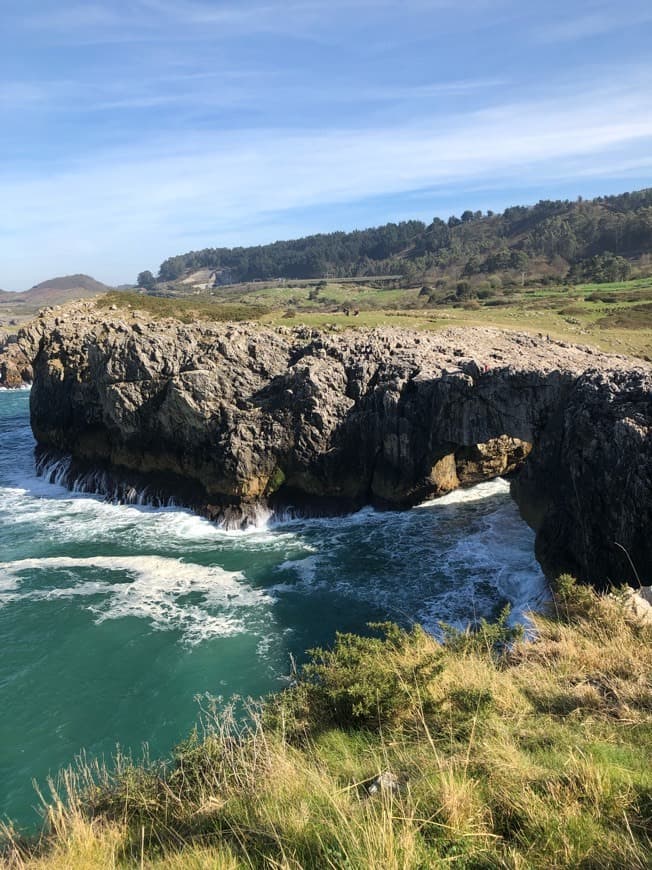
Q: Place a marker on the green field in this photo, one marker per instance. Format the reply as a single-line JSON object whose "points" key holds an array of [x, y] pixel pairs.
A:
{"points": [[612, 317]]}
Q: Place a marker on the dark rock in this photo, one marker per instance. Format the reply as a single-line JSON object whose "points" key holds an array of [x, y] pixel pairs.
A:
{"points": [[15, 366], [249, 417]]}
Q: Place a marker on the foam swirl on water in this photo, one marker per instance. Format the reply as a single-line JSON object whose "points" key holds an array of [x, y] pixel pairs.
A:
{"points": [[154, 589], [114, 616]]}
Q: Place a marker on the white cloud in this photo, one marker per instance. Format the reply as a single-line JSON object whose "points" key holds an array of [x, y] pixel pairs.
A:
{"points": [[137, 205], [596, 22], [219, 88], [14, 94], [136, 20], [74, 16]]}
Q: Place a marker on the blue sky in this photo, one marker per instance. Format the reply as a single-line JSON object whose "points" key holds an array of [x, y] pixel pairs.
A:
{"points": [[132, 130]]}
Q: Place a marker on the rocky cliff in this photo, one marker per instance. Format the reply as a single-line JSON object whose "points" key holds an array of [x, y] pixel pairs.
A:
{"points": [[230, 417], [15, 367]]}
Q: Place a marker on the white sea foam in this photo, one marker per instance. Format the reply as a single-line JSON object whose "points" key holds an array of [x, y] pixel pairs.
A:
{"points": [[306, 568], [8, 587], [453, 558], [428, 565], [488, 489], [495, 563], [78, 517], [156, 591], [429, 572]]}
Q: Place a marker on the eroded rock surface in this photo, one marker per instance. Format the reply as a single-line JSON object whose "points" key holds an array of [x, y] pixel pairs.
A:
{"points": [[15, 367], [231, 416]]}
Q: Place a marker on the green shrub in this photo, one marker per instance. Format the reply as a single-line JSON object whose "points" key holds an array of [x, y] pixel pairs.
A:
{"points": [[493, 638], [185, 309], [276, 481], [573, 601], [526, 754], [370, 682]]}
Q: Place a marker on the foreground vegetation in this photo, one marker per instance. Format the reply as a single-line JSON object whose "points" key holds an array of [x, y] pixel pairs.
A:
{"points": [[396, 751]]}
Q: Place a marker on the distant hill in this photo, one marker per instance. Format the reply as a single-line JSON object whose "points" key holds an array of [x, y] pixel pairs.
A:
{"points": [[62, 289], [601, 239], [68, 282], [55, 291]]}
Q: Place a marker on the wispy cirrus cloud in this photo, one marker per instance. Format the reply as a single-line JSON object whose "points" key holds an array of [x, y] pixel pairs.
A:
{"points": [[218, 88], [264, 13], [20, 94], [137, 128], [599, 19], [150, 19], [150, 195], [73, 17]]}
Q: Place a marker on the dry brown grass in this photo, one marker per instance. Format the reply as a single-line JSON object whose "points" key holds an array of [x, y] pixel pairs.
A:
{"points": [[533, 754]]}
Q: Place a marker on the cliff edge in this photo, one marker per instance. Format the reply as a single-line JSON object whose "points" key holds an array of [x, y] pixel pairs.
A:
{"points": [[231, 417]]}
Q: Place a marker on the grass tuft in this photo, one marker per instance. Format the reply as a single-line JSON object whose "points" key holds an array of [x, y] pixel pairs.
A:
{"points": [[397, 751], [187, 310]]}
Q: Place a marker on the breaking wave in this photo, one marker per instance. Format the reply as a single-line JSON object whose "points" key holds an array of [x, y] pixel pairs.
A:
{"points": [[115, 612]]}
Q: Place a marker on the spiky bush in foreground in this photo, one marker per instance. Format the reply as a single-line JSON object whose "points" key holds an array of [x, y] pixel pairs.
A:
{"points": [[398, 752]]}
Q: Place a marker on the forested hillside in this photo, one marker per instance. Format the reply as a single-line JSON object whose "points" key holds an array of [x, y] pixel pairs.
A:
{"points": [[593, 240]]}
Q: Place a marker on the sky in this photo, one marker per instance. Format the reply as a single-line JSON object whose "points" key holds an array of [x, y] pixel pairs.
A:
{"points": [[133, 130]]}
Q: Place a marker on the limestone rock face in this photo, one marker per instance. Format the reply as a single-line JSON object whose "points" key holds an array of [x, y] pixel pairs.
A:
{"points": [[228, 417], [501, 456], [587, 487], [15, 367]]}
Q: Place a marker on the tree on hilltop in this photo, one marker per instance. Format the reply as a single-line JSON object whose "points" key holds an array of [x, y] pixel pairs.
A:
{"points": [[146, 280]]}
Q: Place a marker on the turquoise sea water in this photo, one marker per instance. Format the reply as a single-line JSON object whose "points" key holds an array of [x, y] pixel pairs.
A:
{"points": [[113, 619]]}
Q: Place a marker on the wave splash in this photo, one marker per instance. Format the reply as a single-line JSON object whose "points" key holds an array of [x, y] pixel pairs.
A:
{"points": [[250, 518], [61, 472]]}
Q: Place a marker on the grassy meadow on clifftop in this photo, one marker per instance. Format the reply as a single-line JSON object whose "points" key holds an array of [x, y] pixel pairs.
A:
{"points": [[616, 317], [396, 751]]}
